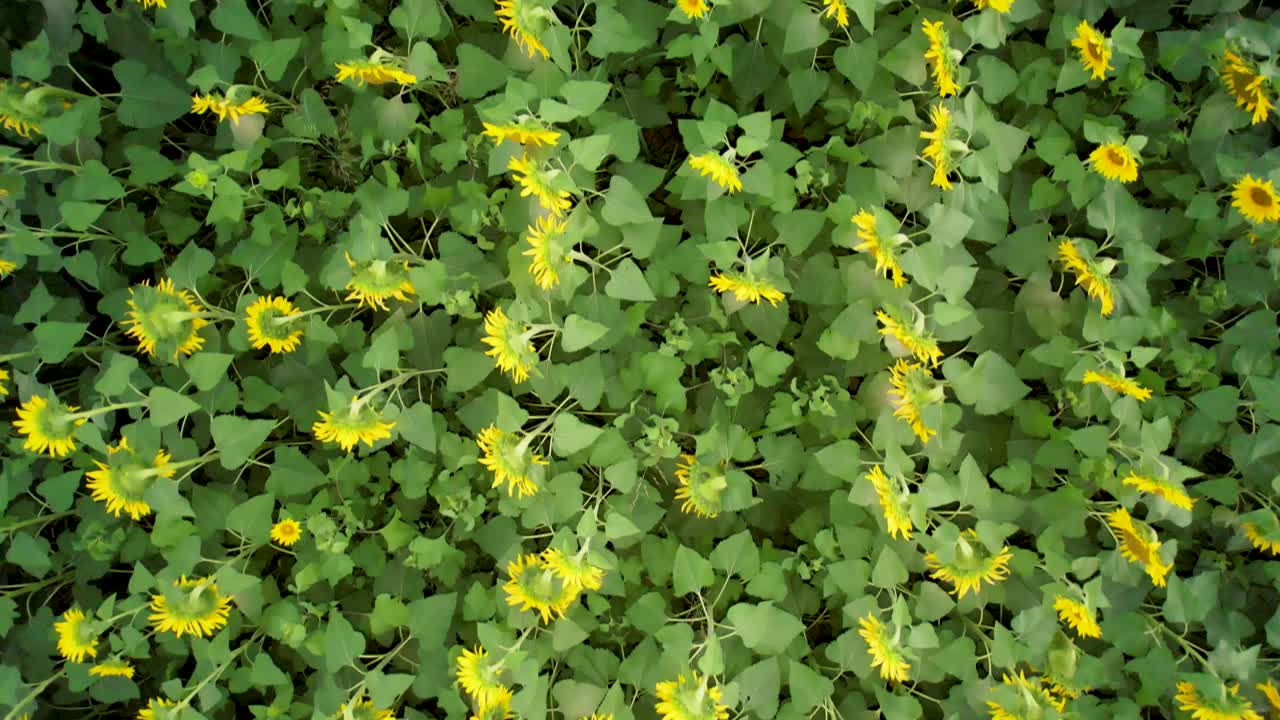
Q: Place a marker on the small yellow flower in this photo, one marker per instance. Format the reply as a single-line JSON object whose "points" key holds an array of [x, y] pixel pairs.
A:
{"points": [[1078, 616], [286, 533], [971, 566], [938, 152], [548, 251], [76, 637], [1088, 275], [362, 709], [1225, 704], [910, 391], [892, 495], [1114, 161], [6, 267], [574, 571], [746, 287], [1138, 543], [164, 320], [48, 425], [373, 283], [1170, 491], [479, 677], [1120, 384], [536, 180], [1002, 6], [1033, 698], [1267, 540], [269, 320], [226, 110], [880, 248], [534, 587], [122, 482], [509, 345], [885, 652], [352, 426], [112, 668], [521, 19], [694, 9], [1095, 50], [939, 57], [915, 340], [700, 487], [1256, 200], [194, 606], [836, 9], [690, 699], [156, 709], [374, 73], [1247, 85], [527, 131], [510, 460], [721, 171]]}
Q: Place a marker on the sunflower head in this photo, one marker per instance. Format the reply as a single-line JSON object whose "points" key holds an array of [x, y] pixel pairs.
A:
{"points": [[537, 179], [533, 586], [498, 706], [1078, 615], [49, 426], [16, 114], [1114, 161], [574, 571], [273, 323], [1247, 85], [524, 130], [969, 565], [1211, 699], [912, 338], [158, 709], [526, 21], [351, 423], [1138, 543], [480, 675], [1020, 697], [884, 648], [374, 72], [548, 251], [701, 487], [511, 460], [286, 532], [719, 168], [112, 668], [362, 709], [77, 637], [1095, 50], [882, 249], [1262, 530], [892, 494], [690, 698], [1094, 275], [1256, 200], [226, 108], [940, 58], [123, 480], [509, 345], [165, 321], [911, 389], [375, 282], [938, 151], [191, 606], [752, 285], [694, 9]]}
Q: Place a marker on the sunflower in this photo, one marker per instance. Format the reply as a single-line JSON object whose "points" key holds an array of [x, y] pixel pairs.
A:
{"points": [[885, 652], [49, 426], [478, 676], [574, 571], [373, 283], [1095, 50], [719, 169], [1119, 383], [548, 251], [374, 73], [1163, 488], [193, 606], [1078, 616], [534, 587], [746, 287], [1247, 85], [6, 266], [1263, 538], [700, 487], [15, 113], [362, 709], [1114, 161], [911, 389], [915, 340], [1001, 6], [1031, 699], [358, 423], [510, 461], [269, 321], [940, 58], [536, 180], [121, 483], [880, 248], [525, 21], [147, 4], [509, 345], [498, 707], [836, 9], [526, 130], [77, 638], [1139, 543], [157, 709], [971, 566], [1089, 274], [938, 151], [892, 495], [1224, 704], [4, 375], [1256, 200], [694, 9], [1272, 694], [165, 321], [112, 668], [690, 699], [286, 533], [225, 109]]}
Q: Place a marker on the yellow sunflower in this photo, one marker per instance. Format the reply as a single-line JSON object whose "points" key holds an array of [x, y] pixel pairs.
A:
{"points": [[1095, 50], [880, 248], [885, 651], [147, 4], [548, 251], [1256, 200], [1119, 383], [1002, 6], [1265, 537], [1031, 699], [700, 487], [530, 586], [287, 532], [911, 389], [269, 321], [510, 460], [164, 320], [6, 266], [915, 339], [1247, 86], [76, 636], [535, 179], [971, 566], [525, 22], [940, 58], [1164, 488], [1114, 161], [121, 483], [362, 709], [497, 708], [375, 282], [574, 571], [1078, 616], [352, 426], [227, 110], [719, 169], [746, 287], [694, 9], [193, 606], [157, 709], [1138, 543], [938, 151], [838, 10], [892, 495], [374, 73], [1089, 274], [4, 375], [1272, 694], [15, 113], [691, 698], [509, 345], [480, 677], [526, 130], [49, 426], [112, 668], [1224, 703]]}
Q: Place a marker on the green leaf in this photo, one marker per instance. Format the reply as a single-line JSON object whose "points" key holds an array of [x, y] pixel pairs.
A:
{"points": [[417, 425], [56, 340], [208, 369], [237, 438], [623, 203], [417, 18], [80, 216], [991, 386], [168, 407], [466, 368], [627, 282], [580, 332], [889, 570], [691, 571], [585, 96], [768, 365], [570, 435], [342, 644], [251, 519], [233, 17], [148, 100], [764, 628], [808, 687]]}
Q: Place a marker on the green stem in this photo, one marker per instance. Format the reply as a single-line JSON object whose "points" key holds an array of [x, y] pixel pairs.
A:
{"points": [[33, 521], [85, 415], [186, 702], [21, 704]]}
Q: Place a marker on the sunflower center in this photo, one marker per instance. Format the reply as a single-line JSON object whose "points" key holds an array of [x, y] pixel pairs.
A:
{"points": [[1261, 197], [1094, 50], [194, 602], [1116, 157]]}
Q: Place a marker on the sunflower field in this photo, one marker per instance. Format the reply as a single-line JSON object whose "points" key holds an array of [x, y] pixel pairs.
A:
{"points": [[639, 359]]}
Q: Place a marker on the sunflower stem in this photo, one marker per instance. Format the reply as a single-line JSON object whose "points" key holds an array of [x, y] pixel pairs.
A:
{"points": [[35, 692], [86, 414], [286, 319]]}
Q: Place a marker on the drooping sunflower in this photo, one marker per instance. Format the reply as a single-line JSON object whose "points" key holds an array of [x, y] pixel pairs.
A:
{"points": [[880, 248], [838, 10], [548, 251], [498, 707], [1089, 274], [122, 481], [1095, 50], [537, 180], [1138, 543], [690, 698], [358, 422], [286, 532], [971, 566], [270, 322], [694, 9], [938, 151], [164, 320], [1001, 6], [885, 651], [362, 709], [479, 676], [892, 495], [911, 389], [226, 109], [700, 487], [746, 287], [509, 345], [157, 709], [1247, 85], [1164, 488], [49, 426], [574, 571], [1263, 532], [375, 282], [511, 461], [530, 586], [1256, 200], [715, 166], [1114, 161], [77, 638], [1030, 699], [940, 58], [1221, 703], [112, 668], [15, 114], [914, 339], [1078, 616], [1119, 383], [193, 606], [374, 73], [525, 130], [525, 21]]}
